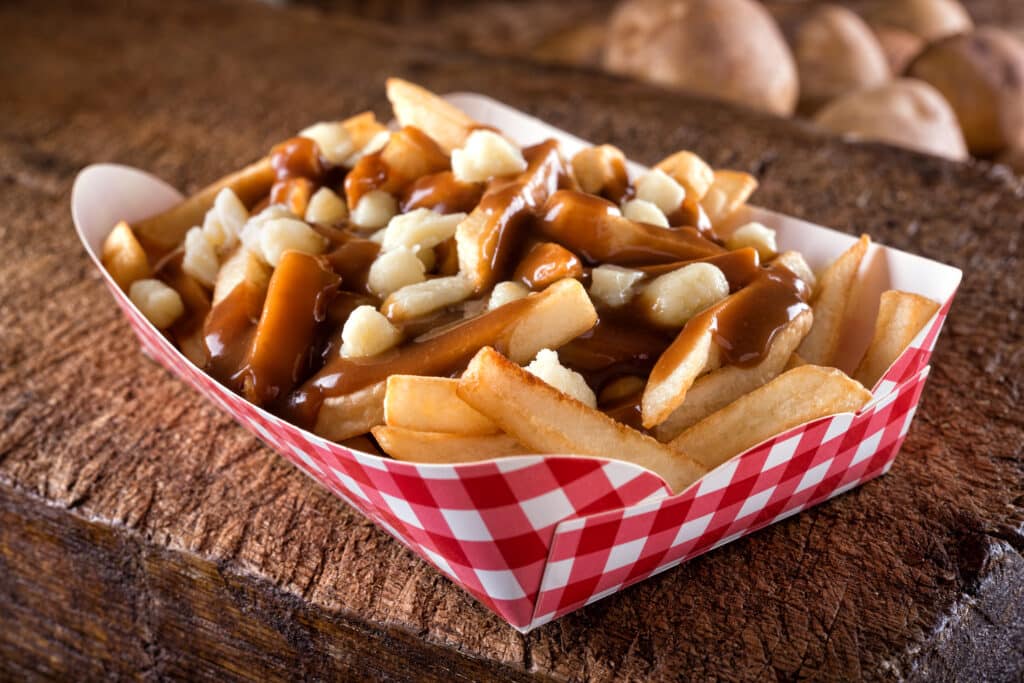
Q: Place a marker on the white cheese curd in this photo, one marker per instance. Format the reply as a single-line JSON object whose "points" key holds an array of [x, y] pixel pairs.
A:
{"points": [[643, 211], [486, 155], [333, 141], [394, 269], [674, 298], [279, 235], [326, 207], [367, 333], [547, 367], [755, 235], [660, 189], [613, 285], [374, 209], [161, 305]]}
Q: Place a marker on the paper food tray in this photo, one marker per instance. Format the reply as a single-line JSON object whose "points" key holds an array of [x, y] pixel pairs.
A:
{"points": [[536, 537]]}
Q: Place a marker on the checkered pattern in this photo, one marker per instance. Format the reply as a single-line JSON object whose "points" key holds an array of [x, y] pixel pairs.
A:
{"points": [[536, 537]]}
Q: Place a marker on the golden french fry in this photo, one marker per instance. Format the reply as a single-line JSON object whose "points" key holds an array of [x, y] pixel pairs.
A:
{"points": [[721, 387], [793, 398], [592, 226], [545, 320], [901, 315], [242, 266], [795, 361], [545, 420], [416, 106], [411, 445], [431, 404], [830, 302], [164, 231], [344, 417], [691, 355], [690, 171], [362, 128], [729, 191], [286, 326], [123, 257], [487, 236]]}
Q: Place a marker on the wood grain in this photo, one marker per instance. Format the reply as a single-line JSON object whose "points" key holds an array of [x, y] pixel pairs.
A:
{"points": [[143, 533]]}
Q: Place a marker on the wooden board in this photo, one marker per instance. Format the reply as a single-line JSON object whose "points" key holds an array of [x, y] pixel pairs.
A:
{"points": [[142, 532]]}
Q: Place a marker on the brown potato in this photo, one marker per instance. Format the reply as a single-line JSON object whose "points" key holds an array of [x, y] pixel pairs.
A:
{"points": [[929, 19], [899, 45], [727, 49], [836, 53], [906, 113], [982, 76]]}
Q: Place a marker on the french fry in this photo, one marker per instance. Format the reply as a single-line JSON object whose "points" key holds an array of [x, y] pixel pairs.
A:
{"points": [[901, 315], [729, 191], [592, 226], [241, 266], [690, 171], [793, 398], [485, 238], [123, 257], [362, 128], [431, 404], [544, 320], [830, 302], [411, 445], [344, 417], [545, 420], [416, 106], [690, 356], [164, 231], [721, 387], [286, 326]]}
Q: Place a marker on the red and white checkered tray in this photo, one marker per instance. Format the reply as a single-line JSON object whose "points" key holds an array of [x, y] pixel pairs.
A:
{"points": [[536, 537]]}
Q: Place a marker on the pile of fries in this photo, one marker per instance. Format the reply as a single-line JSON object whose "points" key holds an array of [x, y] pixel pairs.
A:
{"points": [[442, 295]]}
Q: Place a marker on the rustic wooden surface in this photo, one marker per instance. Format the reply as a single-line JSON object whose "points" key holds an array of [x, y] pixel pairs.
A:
{"points": [[144, 534]]}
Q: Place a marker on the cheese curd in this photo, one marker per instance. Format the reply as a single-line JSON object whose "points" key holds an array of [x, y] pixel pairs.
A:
{"points": [[613, 285], [161, 305], [374, 209], [547, 367], [332, 139], [279, 235], [485, 156], [367, 333], [661, 190], [420, 228], [250, 235], [326, 207], [200, 258], [643, 211], [225, 220], [393, 270], [675, 297], [506, 292], [426, 297], [755, 235]]}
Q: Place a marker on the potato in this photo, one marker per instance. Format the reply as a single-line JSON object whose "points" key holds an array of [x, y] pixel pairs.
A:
{"points": [[899, 45], [728, 49], [929, 19], [982, 76], [906, 113], [836, 53]]}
